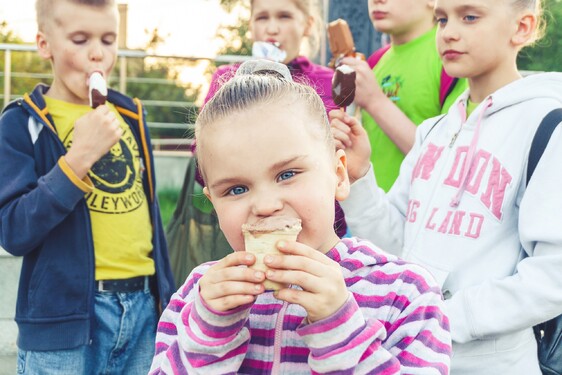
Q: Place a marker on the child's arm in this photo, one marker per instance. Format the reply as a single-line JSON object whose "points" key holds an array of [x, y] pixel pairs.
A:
{"points": [[338, 336], [31, 205], [204, 328], [369, 96], [369, 212], [94, 135], [344, 331], [350, 136], [417, 327]]}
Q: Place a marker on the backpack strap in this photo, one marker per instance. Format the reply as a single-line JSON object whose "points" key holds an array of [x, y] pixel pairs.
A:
{"points": [[541, 138], [446, 86], [447, 83]]}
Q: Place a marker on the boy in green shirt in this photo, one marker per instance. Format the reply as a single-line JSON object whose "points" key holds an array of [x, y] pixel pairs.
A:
{"points": [[403, 87]]}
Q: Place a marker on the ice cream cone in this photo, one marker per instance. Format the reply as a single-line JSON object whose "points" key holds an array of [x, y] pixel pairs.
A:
{"points": [[261, 239]]}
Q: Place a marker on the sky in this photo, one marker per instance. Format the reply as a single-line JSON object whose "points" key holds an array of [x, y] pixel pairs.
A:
{"points": [[188, 25]]}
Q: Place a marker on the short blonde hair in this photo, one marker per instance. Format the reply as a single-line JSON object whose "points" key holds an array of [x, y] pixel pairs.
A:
{"points": [[43, 8]]}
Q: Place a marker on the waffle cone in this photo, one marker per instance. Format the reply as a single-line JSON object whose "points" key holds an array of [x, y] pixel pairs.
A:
{"points": [[262, 242]]}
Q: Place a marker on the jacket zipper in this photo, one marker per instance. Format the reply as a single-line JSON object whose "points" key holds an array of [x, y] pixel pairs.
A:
{"points": [[424, 216], [278, 339]]}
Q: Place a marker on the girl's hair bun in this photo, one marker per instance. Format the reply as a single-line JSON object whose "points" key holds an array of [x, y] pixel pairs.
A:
{"points": [[264, 67]]}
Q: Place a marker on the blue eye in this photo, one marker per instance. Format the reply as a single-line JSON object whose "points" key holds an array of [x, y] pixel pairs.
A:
{"points": [[286, 175], [237, 190], [442, 21], [470, 18]]}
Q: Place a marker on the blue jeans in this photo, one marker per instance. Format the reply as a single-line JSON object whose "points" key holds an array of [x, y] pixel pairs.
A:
{"points": [[122, 342]]}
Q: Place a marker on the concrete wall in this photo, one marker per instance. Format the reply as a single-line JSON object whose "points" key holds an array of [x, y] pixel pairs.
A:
{"points": [[170, 168], [9, 277]]}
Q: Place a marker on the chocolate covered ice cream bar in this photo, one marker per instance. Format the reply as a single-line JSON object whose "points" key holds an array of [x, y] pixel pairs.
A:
{"points": [[261, 238], [97, 89], [343, 86]]}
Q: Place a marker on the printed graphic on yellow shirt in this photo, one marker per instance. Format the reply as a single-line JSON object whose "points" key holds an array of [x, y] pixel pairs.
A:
{"points": [[116, 177]]}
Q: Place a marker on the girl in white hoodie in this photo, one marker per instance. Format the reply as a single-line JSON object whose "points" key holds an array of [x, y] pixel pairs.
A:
{"points": [[461, 206]]}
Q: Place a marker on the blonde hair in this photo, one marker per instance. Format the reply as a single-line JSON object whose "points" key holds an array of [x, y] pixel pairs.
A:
{"points": [[313, 9], [259, 82], [43, 8], [536, 7]]}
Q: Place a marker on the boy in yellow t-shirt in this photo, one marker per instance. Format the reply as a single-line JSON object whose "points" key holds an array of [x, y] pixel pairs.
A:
{"points": [[77, 201]]}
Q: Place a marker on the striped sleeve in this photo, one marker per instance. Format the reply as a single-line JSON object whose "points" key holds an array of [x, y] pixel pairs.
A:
{"points": [[346, 343], [393, 322], [191, 338]]}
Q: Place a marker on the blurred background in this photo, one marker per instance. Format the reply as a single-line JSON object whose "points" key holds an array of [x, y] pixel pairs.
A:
{"points": [[168, 51]]}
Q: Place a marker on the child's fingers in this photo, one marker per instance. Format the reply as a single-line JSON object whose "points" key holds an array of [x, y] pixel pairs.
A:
{"points": [[341, 137], [300, 297], [230, 302], [297, 248], [219, 275], [229, 269], [231, 288], [302, 257], [336, 114], [317, 306], [236, 258], [345, 122], [306, 280]]}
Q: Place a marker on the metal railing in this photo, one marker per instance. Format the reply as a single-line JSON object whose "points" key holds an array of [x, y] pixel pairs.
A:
{"points": [[121, 84]]}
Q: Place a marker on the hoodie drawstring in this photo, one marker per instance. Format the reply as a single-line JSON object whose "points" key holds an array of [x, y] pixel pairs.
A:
{"points": [[468, 161]]}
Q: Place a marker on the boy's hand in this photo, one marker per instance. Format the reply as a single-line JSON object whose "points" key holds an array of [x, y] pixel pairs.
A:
{"points": [[94, 135], [367, 89], [324, 290], [226, 285], [350, 136]]}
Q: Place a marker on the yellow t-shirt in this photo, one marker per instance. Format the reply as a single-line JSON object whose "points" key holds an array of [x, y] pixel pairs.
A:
{"points": [[119, 212]]}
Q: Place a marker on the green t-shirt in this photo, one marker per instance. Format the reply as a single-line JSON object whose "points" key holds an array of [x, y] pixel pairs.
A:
{"points": [[470, 107], [410, 75]]}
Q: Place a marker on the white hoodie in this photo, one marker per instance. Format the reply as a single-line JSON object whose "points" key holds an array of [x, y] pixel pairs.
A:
{"points": [[493, 243]]}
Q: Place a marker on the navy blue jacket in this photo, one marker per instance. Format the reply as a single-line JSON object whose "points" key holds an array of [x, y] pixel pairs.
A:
{"points": [[44, 218]]}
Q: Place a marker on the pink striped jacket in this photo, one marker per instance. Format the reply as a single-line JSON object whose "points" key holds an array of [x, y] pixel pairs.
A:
{"points": [[392, 323]]}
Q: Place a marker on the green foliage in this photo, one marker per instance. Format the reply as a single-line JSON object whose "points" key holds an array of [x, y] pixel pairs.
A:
{"points": [[167, 88], [7, 35], [235, 38], [229, 5], [546, 54], [23, 64], [167, 198]]}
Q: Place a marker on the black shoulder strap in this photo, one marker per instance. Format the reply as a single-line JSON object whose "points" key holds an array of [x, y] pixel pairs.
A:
{"points": [[540, 141]]}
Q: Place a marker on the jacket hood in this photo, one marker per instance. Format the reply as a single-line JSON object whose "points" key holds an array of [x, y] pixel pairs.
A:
{"points": [[532, 87]]}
